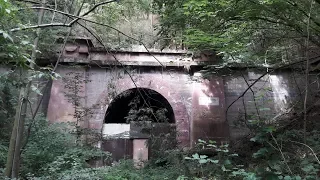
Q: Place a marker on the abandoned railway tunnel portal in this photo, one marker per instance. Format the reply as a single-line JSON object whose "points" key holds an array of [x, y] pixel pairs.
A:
{"points": [[168, 96]]}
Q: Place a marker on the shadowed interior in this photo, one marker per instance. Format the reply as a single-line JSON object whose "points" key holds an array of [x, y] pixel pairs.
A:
{"points": [[141, 98]]}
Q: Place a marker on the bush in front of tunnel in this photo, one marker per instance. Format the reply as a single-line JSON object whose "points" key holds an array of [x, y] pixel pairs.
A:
{"points": [[282, 155], [73, 165], [215, 161], [75, 174], [125, 170], [52, 150], [46, 142]]}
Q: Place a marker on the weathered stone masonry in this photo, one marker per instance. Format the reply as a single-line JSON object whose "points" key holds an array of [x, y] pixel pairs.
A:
{"points": [[199, 105]]}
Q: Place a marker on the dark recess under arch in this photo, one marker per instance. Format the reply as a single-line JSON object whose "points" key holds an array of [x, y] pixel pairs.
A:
{"points": [[119, 107]]}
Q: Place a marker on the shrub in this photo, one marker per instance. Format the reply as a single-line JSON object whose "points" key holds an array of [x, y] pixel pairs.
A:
{"points": [[52, 151]]}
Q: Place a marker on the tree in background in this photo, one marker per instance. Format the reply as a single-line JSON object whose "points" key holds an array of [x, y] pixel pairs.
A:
{"points": [[255, 31]]}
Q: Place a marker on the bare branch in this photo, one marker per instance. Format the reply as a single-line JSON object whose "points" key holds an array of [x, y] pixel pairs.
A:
{"points": [[92, 9], [315, 155], [84, 19], [54, 13], [32, 2], [253, 94], [259, 78], [98, 5], [306, 95], [280, 150], [61, 12], [40, 26]]}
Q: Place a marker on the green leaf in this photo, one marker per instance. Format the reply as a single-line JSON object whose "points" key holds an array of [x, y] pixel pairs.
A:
{"points": [[6, 35], [227, 162], [25, 42], [297, 178], [35, 89], [226, 145], [196, 156], [214, 161], [271, 176], [203, 156], [309, 168], [260, 152], [253, 122], [287, 178], [223, 168], [212, 145], [270, 129], [203, 161], [254, 139], [225, 150], [233, 155]]}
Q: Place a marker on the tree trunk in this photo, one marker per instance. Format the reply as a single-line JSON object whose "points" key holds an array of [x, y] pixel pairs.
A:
{"points": [[13, 159]]}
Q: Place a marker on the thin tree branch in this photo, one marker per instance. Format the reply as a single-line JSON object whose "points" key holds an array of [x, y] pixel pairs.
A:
{"points": [[30, 106], [304, 13], [305, 117], [84, 19], [54, 13], [245, 112], [259, 78], [61, 24], [98, 5], [253, 94], [32, 2], [280, 150], [314, 154]]}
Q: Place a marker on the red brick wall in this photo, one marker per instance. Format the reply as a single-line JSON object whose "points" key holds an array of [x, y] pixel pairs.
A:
{"points": [[194, 119], [208, 115]]}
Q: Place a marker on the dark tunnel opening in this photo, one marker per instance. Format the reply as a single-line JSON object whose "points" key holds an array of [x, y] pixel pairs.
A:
{"points": [[139, 104]]}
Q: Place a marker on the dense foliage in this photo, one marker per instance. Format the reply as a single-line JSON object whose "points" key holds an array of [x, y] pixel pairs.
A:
{"points": [[254, 31], [7, 111], [260, 31]]}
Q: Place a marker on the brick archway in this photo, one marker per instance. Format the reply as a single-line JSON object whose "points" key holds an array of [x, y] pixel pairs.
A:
{"points": [[163, 86]]}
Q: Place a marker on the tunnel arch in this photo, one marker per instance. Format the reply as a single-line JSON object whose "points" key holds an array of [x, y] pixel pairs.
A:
{"points": [[135, 99]]}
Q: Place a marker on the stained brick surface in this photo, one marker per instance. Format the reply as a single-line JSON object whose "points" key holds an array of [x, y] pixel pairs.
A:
{"points": [[193, 120]]}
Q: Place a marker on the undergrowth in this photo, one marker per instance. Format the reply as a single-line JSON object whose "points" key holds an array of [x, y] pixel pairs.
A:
{"points": [[53, 153]]}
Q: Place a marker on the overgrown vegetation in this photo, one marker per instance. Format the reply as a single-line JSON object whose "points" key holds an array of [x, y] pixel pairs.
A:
{"points": [[255, 32]]}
